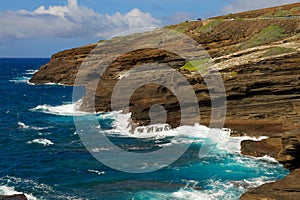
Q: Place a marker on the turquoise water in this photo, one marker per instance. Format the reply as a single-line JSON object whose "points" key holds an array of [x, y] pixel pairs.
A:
{"points": [[43, 156]]}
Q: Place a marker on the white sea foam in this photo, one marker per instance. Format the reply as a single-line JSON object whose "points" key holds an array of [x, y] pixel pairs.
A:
{"points": [[185, 194], [267, 159], [100, 149], [251, 183], [23, 79], [6, 190], [194, 194], [8, 183], [96, 172], [123, 126], [50, 83], [31, 71], [24, 126], [255, 162], [183, 134], [44, 142], [218, 190], [63, 110]]}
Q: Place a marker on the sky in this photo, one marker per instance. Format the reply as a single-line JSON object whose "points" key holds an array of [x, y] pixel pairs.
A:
{"points": [[39, 28]]}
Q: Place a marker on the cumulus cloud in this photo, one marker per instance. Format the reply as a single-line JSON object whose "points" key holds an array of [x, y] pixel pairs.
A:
{"points": [[245, 5], [70, 20]]}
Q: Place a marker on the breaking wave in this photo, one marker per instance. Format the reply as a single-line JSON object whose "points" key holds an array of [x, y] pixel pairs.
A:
{"points": [[44, 142], [62, 110], [24, 126]]}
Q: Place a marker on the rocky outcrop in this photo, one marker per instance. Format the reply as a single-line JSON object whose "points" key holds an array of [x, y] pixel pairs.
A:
{"points": [[284, 147], [63, 66], [285, 189], [13, 197]]}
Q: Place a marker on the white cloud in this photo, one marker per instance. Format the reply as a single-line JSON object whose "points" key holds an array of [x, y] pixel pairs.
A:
{"points": [[245, 5], [71, 20]]}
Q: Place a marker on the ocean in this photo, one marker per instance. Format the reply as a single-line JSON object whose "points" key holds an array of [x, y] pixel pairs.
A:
{"points": [[43, 156]]}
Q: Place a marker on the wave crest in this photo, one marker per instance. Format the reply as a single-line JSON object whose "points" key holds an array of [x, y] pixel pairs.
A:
{"points": [[62, 110], [44, 142]]}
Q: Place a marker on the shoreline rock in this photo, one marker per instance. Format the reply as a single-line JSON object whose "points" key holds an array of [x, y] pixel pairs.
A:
{"points": [[13, 197], [285, 189], [285, 148]]}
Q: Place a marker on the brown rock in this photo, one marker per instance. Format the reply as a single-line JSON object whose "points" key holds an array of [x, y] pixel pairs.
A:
{"points": [[62, 67], [284, 147], [13, 197], [285, 189]]}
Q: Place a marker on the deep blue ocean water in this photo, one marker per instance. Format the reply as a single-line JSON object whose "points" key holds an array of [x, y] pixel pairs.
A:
{"points": [[42, 156]]}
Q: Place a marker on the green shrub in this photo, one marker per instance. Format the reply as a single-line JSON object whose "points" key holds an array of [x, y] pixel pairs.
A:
{"points": [[196, 65], [295, 9], [282, 13], [233, 73], [182, 27], [257, 71], [239, 19], [270, 34]]}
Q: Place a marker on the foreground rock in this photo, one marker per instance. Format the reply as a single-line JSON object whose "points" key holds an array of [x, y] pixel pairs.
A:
{"points": [[285, 189], [285, 147], [13, 197]]}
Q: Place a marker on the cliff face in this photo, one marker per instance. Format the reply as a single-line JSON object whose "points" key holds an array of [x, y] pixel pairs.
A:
{"points": [[63, 66], [257, 55], [258, 60]]}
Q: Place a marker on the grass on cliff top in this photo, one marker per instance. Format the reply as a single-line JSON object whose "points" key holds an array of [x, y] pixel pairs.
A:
{"points": [[186, 26], [211, 25], [181, 28], [295, 9], [270, 34], [278, 51], [279, 13], [196, 65]]}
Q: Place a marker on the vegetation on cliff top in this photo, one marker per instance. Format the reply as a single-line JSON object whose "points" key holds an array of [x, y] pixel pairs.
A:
{"points": [[284, 10], [268, 35], [211, 25]]}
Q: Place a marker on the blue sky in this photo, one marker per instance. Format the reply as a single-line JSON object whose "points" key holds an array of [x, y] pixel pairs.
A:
{"points": [[39, 28]]}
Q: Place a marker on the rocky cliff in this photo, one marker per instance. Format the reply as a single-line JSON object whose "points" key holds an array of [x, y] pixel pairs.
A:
{"points": [[256, 54]]}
